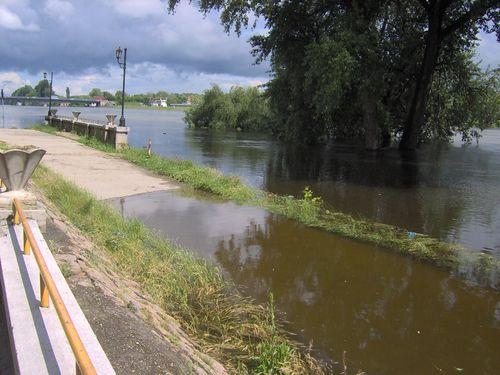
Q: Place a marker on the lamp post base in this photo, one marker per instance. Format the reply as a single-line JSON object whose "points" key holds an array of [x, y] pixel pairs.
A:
{"points": [[122, 121]]}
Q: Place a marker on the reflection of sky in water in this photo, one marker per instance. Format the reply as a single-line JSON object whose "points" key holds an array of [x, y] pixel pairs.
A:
{"points": [[451, 193], [209, 223], [391, 314]]}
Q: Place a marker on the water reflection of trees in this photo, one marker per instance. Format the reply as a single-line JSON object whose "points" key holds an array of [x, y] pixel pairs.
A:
{"points": [[434, 191], [349, 296], [242, 154]]}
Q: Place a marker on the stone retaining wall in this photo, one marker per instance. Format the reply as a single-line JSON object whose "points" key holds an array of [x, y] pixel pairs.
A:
{"points": [[116, 136]]}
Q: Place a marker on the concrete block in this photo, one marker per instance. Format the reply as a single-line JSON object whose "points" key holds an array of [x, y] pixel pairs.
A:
{"points": [[33, 210], [118, 136], [27, 199]]}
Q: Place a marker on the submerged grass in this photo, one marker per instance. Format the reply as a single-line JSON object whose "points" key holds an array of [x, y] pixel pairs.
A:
{"points": [[241, 334], [311, 211]]}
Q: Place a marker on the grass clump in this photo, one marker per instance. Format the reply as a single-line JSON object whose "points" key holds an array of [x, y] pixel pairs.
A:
{"points": [[309, 210], [273, 354], [227, 325]]}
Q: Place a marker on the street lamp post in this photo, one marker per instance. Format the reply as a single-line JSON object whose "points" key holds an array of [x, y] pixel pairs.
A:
{"points": [[124, 66], [4, 83], [3, 112], [50, 89]]}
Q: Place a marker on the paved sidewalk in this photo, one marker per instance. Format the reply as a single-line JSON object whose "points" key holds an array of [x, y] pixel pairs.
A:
{"points": [[104, 175]]}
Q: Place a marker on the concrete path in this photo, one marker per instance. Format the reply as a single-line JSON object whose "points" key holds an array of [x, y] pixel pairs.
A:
{"points": [[103, 175]]}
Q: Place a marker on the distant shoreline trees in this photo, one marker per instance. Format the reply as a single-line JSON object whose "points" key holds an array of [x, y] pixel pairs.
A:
{"points": [[242, 109], [42, 89]]}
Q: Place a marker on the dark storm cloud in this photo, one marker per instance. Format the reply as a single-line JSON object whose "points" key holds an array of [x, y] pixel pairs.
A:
{"points": [[74, 36]]}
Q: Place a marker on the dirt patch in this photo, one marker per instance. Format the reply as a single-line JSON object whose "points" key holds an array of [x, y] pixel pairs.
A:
{"points": [[137, 335]]}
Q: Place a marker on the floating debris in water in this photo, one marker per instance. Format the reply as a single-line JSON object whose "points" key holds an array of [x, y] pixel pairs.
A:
{"points": [[411, 235]]}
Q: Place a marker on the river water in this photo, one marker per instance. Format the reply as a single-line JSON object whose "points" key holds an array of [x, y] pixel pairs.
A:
{"points": [[391, 314]]}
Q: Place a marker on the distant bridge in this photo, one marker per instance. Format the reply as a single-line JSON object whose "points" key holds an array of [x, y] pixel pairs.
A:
{"points": [[37, 100]]}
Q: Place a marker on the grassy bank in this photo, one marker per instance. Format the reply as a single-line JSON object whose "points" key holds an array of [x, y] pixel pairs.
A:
{"points": [[309, 210], [242, 335]]}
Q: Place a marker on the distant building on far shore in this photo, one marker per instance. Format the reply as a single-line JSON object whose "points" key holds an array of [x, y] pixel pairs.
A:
{"points": [[103, 102], [158, 103]]}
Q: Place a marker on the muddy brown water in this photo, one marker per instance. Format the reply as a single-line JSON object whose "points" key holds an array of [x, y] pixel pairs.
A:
{"points": [[391, 314]]}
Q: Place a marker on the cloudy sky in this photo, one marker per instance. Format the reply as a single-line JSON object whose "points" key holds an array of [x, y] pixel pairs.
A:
{"points": [[77, 40]]}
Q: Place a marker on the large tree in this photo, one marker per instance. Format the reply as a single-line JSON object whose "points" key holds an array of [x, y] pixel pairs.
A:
{"points": [[95, 92], [356, 68], [42, 89], [449, 25]]}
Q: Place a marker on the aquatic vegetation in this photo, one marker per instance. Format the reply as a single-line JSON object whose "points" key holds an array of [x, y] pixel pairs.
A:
{"points": [[243, 335]]}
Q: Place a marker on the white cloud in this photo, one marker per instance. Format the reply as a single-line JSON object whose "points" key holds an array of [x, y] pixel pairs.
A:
{"points": [[138, 8], [59, 9], [141, 78], [10, 20], [186, 41], [10, 81]]}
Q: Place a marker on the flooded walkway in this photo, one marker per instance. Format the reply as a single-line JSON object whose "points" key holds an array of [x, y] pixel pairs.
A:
{"points": [[449, 192], [103, 175], [392, 315]]}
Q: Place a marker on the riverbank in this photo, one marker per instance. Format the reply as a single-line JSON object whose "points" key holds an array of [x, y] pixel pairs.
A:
{"points": [[311, 211], [136, 334], [244, 336], [228, 326]]}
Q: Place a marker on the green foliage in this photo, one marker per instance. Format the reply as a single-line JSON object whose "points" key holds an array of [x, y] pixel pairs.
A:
{"points": [[25, 90], [243, 109], [354, 69], [45, 128], [108, 95], [118, 96], [95, 92], [42, 89], [274, 355], [309, 197], [463, 99]]}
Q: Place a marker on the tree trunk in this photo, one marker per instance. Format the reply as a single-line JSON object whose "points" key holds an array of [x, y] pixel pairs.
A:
{"points": [[372, 133], [416, 113]]}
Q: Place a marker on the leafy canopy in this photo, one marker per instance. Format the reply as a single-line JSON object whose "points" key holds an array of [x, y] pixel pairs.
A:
{"points": [[348, 69]]}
